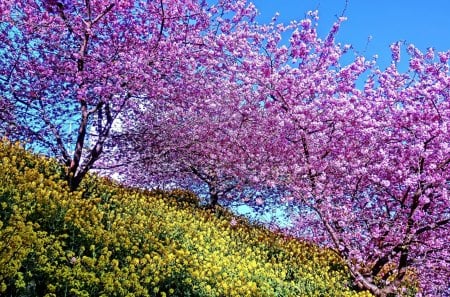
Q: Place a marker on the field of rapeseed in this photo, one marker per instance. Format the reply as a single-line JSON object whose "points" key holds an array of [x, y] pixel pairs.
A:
{"points": [[107, 240]]}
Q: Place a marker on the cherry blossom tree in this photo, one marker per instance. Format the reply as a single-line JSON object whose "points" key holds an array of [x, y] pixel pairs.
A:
{"points": [[371, 165], [197, 141], [196, 144], [172, 146], [69, 68]]}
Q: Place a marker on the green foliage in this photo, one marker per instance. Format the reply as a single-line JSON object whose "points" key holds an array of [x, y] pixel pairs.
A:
{"points": [[107, 240]]}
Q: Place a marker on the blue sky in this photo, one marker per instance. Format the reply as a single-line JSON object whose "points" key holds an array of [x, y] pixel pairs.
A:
{"points": [[422, 23]]}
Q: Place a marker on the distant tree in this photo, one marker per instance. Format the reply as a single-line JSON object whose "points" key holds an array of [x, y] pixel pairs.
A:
{"points": [[196, 145], [197, 142]]}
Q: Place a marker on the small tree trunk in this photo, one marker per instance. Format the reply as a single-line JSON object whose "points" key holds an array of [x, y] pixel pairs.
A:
{"points": [[213, 199], [73, 176]]}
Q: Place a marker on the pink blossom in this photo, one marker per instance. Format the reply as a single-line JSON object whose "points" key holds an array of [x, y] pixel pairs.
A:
{"points": [[233, 222], [395, 50], [73, 260]]}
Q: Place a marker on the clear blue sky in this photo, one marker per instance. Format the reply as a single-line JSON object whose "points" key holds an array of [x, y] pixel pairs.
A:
{"points": [[425, 23]]}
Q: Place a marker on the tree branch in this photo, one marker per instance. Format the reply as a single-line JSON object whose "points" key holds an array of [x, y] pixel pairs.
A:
{"points": [[107, 9], [432, 226]]}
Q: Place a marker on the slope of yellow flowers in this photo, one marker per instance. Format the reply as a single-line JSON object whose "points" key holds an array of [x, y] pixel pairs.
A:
{"points": [[107, 240]]}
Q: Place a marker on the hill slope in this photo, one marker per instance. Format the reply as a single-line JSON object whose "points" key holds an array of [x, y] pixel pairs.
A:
{"points": [[106, 240]]}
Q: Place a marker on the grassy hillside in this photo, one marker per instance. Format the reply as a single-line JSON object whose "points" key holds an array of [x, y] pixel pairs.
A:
{"points": [[106, 240]]}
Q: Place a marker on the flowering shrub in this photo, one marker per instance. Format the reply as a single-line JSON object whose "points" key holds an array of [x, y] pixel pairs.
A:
{"points": [[107, 240]]}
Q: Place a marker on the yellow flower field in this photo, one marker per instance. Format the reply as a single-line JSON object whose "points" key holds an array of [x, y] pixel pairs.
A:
{"points": [[107, 240]]}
